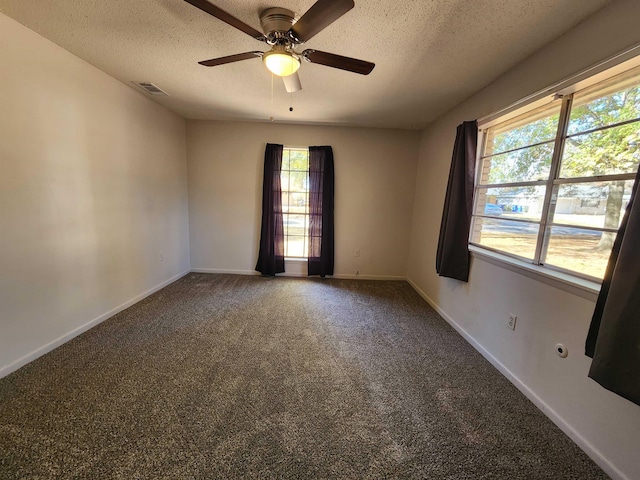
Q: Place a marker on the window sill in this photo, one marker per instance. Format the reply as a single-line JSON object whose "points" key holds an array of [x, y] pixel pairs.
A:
{"points": [[574, 285], [295, 259]]}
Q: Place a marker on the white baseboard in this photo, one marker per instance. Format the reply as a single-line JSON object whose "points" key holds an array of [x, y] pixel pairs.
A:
{"points": [[578, 439], [224, 270], [352, 276], [15, 365], [298, 274]]}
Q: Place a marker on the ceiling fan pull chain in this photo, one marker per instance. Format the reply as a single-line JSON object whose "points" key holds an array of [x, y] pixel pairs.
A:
{"points": [[271, 117]]}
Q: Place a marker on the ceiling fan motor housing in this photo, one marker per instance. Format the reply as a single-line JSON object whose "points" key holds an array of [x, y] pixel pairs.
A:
{"points": [[276, 22]]}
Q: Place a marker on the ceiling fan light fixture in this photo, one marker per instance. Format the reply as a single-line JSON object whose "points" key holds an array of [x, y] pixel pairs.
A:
{"points": [[281, 62]]}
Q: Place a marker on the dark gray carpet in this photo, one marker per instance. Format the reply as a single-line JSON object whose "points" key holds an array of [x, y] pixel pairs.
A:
{"points": [[222, 376]]}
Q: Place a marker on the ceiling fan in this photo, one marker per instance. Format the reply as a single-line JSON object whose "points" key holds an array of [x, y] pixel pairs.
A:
{"points": [[284, 34]]}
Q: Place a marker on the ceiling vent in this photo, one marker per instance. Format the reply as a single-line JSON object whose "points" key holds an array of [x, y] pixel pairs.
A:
{"points": [[150, 88]]}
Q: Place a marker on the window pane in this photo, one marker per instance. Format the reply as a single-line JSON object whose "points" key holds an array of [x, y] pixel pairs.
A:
{"points": [[606, 103], [528, 164], [298, 181], [299, 160], [605, 152], [595, 204], [578, 250], [295, 224], [298, 202], [516, 238], [284, 180], [295, 247], [285, 159], [533, 127], [512, 202]]}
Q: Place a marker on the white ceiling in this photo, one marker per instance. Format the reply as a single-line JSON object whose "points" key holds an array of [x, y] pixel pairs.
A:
{"points": [[430, 54]]}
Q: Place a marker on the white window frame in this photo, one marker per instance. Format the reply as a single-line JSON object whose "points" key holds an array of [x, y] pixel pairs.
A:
{"points": [[306, 213], [562, 92]]}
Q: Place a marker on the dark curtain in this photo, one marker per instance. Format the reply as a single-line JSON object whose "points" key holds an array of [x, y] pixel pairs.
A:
{"points": [[271, 255], [452, 258], [614, 335], [321, 189]]}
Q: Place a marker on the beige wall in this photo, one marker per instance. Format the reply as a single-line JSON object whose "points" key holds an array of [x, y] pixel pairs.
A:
{"points": [[92, 189], [375, 171], [606, 425]]}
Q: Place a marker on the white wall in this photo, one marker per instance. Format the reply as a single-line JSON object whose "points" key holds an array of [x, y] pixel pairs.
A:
{"points": [[92, 188], [375, 176], [604, 424]]}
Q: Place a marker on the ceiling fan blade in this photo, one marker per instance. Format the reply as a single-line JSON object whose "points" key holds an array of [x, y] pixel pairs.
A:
{"points": [[292, 83], [230, 59], [322, 14], [338, 61], [220, 14]]}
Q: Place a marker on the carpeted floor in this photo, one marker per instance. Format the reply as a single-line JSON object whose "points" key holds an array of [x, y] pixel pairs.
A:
{"points": [[223, 376]]}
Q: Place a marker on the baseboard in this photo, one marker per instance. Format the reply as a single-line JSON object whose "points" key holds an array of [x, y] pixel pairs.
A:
{"points": [[578, 439], [296, 274], [352, 276], [15, 365], [224, 270]]}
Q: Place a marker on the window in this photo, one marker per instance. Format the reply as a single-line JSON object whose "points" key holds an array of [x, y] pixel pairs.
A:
{"points": [[295, 201], [553, 182]]}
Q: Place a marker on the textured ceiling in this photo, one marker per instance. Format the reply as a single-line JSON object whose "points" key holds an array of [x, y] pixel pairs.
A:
{"points": [[430, 54]]}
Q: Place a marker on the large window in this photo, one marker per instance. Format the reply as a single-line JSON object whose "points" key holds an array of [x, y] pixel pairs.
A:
{"points": [[553, 182], [295, 201]]}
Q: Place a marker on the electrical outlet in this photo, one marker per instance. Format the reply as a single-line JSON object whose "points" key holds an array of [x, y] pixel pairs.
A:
{"points": [[357, 252], [512, 321]]}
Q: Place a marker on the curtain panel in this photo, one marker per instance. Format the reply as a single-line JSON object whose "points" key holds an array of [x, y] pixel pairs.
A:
{"points": [[614, 335], [271, 253], [452, 257], [321, 200]]}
